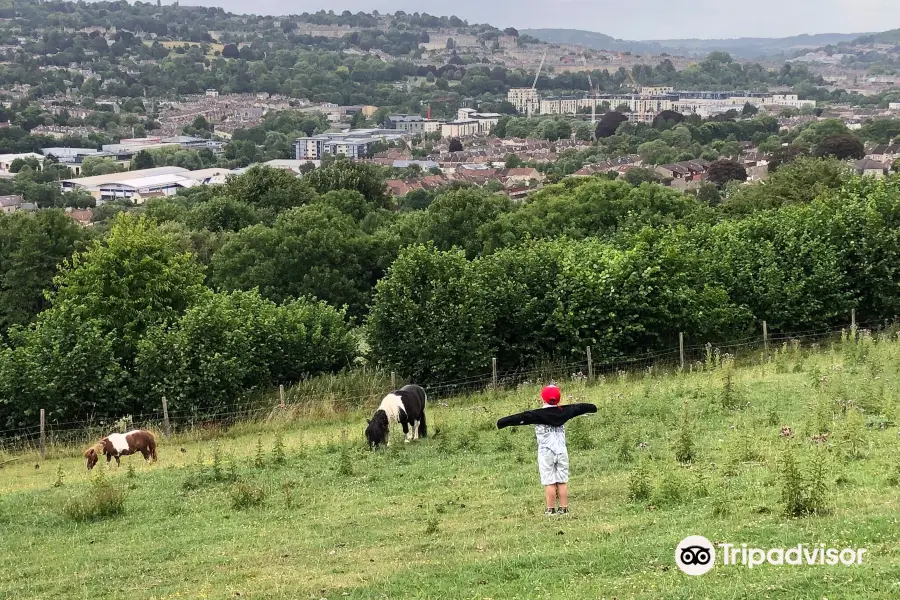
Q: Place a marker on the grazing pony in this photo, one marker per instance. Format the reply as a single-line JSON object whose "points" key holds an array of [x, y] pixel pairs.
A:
{"points": [[405, 406], [122, 444]]}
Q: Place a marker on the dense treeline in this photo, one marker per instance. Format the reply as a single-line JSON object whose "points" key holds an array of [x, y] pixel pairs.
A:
{"points": [[801, 266], [284, 275]]}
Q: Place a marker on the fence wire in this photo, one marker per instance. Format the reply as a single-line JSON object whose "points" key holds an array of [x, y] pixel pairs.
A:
{"points": [[688, 358]]}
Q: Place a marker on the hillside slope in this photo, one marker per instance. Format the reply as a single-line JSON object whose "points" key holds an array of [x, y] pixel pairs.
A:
{"points": [[458, 515], [738, 47]]}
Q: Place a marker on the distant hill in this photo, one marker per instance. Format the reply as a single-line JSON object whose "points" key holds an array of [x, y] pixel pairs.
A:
{"points": [[738, 47], [885, 37]]}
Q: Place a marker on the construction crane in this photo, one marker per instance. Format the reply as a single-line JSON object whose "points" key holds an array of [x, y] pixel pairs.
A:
{"points": [[634, 90], [534, 85], [594, 91]]}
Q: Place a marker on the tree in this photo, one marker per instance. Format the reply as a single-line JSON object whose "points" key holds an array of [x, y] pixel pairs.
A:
{"points": [[265, 187], [896, 166], [724, 170], [455, 145], [314, 251], [513, 161], [841, 147], [786, 155], [230, 51], [749, 110], [455, 219], [31, 249], [74, 360], [346, 175], [439, 295], [639, 175], [657, 152], [667, 119], [608, 124], [143, 160], [222, 213], [230, 343], [99, 166]]}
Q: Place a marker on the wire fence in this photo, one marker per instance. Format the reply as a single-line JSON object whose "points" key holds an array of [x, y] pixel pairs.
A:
{"points": [[306, 398]]}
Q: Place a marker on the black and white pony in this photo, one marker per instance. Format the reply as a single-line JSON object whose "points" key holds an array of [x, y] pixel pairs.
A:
{"points": [[405, 406]]}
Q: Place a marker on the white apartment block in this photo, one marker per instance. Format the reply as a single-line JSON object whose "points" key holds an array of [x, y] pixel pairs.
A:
{"points": [[486, 121], [459, 128], [894, 106], [526, 100], [643, 104]]}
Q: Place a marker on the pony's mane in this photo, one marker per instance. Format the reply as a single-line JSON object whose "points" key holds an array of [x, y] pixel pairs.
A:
{"points": [[96, 448]]}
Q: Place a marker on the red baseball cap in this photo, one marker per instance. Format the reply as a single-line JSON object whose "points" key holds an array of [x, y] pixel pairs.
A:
{"points": [[550, 395]]}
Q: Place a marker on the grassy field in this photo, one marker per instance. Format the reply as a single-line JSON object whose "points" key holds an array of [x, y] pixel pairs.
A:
{"points": [[458, 515]]}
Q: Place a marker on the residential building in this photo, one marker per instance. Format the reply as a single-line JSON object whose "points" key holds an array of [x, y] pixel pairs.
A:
{"points": [[212, 93], [10, 204], [459, 128], [82, 217], [486, 121], [871, 168], [526, 100], [894, 106], [885, 153], [407, 123], [353, 144]]}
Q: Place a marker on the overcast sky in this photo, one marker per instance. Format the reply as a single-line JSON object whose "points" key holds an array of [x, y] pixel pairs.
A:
{"points": [[643, 20]]}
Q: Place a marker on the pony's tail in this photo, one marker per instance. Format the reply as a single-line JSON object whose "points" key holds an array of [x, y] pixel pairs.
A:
{"points": [[423, 428]]}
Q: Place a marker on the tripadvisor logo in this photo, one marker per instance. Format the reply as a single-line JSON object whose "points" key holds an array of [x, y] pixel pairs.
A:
{"points": [[696, 555]]}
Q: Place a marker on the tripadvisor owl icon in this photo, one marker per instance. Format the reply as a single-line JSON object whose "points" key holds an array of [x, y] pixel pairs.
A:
{"points": [[695, 555]]}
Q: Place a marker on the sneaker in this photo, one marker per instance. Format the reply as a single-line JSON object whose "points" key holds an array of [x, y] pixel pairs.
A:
{"points": [[563, 510], [549, 512]]}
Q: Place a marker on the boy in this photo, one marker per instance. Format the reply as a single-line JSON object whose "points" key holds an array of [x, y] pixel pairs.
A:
{"points": [[553, 457]]}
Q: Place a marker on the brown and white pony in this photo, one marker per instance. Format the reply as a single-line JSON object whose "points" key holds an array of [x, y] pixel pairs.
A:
{"points": [[122, 444]]}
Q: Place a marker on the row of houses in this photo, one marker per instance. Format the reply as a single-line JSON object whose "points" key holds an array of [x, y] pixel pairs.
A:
{"points": [[516, 182]]}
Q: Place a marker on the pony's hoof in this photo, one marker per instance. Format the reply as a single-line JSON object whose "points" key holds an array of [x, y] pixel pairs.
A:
{"points": [[405, 441]]}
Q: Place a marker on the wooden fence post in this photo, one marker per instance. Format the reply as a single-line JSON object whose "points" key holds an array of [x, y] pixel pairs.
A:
{"points": [[281, 394], [166, 417], [494, 367], [590, 365], [766, 339], [681, 348], [853, 318], [43, 436], [393, 380]]}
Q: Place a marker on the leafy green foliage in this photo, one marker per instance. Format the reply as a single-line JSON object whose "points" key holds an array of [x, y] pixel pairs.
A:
{"points": [[231, 343]]}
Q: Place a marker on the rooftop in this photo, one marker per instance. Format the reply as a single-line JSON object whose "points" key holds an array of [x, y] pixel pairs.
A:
{"points": [[126, 177]]}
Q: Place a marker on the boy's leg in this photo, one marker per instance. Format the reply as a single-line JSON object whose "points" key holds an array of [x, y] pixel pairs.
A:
{"points": [[563, 491], [550, 495]]}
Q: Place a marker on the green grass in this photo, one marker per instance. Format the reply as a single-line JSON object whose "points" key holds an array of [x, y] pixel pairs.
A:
{"points": [[458, 515]]}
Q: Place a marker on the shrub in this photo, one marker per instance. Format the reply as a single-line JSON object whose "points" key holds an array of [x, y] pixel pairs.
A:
{"points": [[639, 485], [803, 495], [278, 456], [259, 460], [684, 443], [101, 501], [246, 495], [231, 343]]}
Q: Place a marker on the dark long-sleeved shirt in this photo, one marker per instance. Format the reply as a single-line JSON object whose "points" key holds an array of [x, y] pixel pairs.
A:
{"points": [[554, 417]]}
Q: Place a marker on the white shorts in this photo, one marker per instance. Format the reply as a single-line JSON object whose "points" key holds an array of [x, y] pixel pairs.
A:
{"points": [[553, 467]]}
